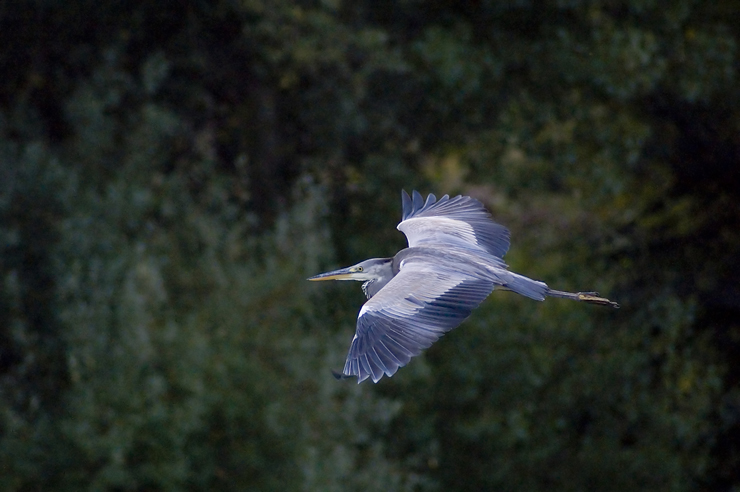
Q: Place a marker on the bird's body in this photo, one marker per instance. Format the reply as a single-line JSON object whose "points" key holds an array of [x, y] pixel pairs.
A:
{"points": [[453, 262]]}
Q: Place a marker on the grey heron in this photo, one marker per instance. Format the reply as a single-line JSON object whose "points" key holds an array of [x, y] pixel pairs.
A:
{"points": [[453, 262]]}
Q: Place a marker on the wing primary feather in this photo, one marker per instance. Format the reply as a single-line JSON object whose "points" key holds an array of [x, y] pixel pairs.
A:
{"points": [[376, 365], [389, 357], [365, 369], [418, 201], [430, 200], [400, 353], [407, 206], [352, 367]]}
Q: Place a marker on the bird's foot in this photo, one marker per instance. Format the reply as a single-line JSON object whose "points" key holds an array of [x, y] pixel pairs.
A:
{"points": [[593, 298]]}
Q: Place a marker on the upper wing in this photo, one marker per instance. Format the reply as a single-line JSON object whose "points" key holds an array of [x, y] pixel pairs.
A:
{"points": [[460, 221], [409, 314]]}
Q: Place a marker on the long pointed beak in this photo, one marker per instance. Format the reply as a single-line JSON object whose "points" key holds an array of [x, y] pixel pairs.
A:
{"points": [[341, 274]]}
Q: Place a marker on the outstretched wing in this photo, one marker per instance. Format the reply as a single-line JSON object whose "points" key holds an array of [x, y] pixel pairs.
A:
{"points": [[419, 305], [460, 221]]}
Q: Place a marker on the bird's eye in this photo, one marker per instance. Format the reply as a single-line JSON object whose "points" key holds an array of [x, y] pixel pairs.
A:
{"points": [[359, 269]]}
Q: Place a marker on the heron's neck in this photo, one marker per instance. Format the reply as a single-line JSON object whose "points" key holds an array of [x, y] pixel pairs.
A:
{"points": [[384, 275]]}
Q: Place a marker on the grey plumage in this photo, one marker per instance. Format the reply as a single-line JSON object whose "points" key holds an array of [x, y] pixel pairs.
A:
{"points": [[453, 262]]}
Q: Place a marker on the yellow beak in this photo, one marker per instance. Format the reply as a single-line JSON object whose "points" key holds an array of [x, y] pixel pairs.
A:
{"points": [[342, 274]]}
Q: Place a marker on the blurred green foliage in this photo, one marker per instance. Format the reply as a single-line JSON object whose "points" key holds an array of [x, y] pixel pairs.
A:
{"points": [[170, 173]]}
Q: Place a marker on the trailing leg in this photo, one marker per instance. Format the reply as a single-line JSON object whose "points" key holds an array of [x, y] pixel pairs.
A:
{"points": [[589, 297]]}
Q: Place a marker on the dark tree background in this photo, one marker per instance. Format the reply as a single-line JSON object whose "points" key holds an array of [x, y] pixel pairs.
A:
{"points": [[171, 172]]}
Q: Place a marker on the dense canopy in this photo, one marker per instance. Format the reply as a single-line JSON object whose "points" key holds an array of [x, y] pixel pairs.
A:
{"points": [[171, 172]]}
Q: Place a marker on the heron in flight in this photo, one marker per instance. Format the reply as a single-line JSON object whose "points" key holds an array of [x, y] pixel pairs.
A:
{"points": [[453, 262]]}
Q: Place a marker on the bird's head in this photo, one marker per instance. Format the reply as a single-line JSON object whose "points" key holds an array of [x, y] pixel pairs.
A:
{"points": [[372, 269]]}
